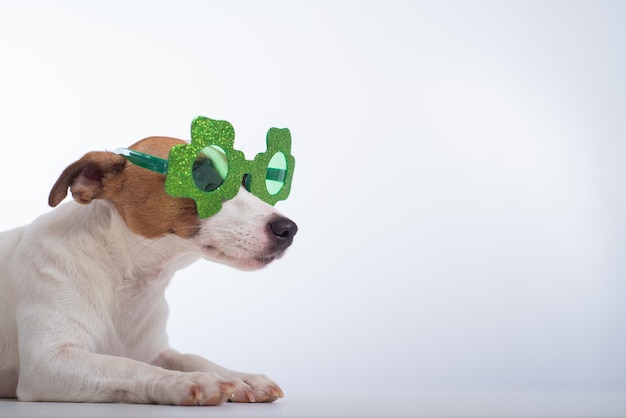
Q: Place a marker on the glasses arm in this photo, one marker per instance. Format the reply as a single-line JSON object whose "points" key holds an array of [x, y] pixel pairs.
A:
{"points": [[144, 160]]}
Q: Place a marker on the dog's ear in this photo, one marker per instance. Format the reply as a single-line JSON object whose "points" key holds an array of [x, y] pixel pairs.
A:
{"points": [[91, 177]]}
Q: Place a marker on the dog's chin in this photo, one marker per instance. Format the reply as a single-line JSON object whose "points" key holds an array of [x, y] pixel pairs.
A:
{"points": [[251, 262]]}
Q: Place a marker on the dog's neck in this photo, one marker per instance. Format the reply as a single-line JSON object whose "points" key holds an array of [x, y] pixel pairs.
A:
{"points": [[134, 257]]}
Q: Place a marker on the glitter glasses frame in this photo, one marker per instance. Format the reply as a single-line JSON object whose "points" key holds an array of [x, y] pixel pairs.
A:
{"points": [[209, 132]]}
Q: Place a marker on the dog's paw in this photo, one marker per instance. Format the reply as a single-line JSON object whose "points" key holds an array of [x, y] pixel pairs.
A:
{"points": [[196, 388], [254, 388]]}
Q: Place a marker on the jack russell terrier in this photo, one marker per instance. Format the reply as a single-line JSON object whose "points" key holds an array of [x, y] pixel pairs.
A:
{"points": [[82, 307]]}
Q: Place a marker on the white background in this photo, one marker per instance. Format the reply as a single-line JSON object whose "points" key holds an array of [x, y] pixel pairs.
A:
{"points": [[459, 182]]}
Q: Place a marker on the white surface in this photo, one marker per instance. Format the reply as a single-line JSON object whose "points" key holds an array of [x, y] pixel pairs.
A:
{"points": [[459, 183], [450, 405]]}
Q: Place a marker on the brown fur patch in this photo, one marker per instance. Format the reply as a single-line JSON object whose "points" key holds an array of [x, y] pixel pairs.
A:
{"points": [[137, 193]]}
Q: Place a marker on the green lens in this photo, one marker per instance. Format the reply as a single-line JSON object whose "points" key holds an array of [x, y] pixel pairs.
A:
{"points": [[276, 173], [210, 168]]}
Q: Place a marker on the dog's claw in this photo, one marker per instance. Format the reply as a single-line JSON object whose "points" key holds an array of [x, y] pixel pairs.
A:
{"points": [[277, 392]]}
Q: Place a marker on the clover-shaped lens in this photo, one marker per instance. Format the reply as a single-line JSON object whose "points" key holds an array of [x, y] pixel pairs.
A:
{"points": [[210, 168], [276, 173]]}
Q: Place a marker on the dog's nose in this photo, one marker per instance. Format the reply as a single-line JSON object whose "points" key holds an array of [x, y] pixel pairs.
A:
{"points": [[283, 230]]}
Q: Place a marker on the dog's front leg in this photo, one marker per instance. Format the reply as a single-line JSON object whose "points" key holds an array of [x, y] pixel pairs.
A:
{"points": [[72, 374], [248, 387]]}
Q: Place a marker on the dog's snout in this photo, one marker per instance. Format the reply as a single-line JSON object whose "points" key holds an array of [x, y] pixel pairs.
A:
{"points": [[283, 230]]}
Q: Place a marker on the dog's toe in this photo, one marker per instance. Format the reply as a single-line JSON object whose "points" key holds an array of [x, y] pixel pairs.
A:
{"points": [[196, 388], [252, 388]]}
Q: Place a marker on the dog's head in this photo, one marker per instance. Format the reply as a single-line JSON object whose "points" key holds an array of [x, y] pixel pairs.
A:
{"points": [[246, 233]]}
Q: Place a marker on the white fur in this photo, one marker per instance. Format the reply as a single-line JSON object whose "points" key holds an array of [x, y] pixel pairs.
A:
{"points": [[83, 313]]}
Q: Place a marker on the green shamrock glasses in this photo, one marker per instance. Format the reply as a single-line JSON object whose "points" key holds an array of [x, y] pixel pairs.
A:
{"points": [[210, 171]]}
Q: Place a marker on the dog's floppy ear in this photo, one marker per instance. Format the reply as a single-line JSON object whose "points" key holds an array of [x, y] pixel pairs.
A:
{"points": [[89, 178]]}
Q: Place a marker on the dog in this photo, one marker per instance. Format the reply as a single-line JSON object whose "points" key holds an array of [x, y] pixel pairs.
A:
{"points": [[82, 306]]}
